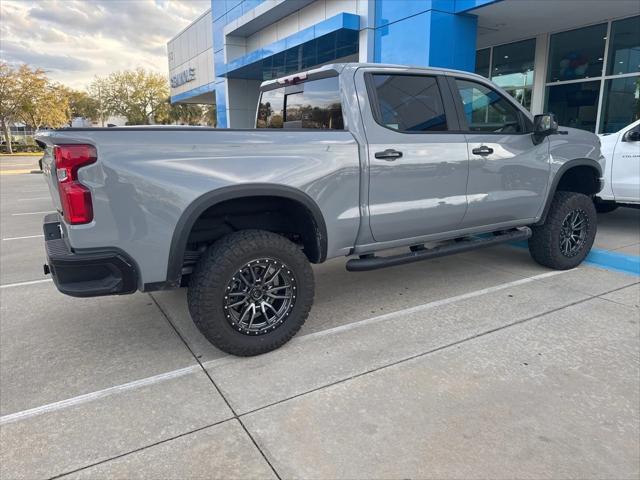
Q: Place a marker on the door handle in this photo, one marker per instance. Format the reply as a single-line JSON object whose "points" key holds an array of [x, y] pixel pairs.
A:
{"points": [[482, 150], [389, 154]]}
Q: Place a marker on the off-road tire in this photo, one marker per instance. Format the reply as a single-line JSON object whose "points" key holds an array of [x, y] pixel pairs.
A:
{"points": [[544, 244], [215, 269]]}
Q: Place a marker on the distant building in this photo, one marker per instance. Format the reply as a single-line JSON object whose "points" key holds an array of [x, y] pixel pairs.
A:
{"points": [[579, 59], [81, 122]]}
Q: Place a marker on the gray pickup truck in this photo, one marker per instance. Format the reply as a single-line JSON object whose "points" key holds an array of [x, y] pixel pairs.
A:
{"points": [[345, 160]]}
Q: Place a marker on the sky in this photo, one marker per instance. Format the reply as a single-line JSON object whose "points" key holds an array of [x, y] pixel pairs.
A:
{"points": [[75, 40]]}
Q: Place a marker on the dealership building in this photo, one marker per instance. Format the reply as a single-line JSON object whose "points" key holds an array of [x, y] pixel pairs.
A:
{"points": [[579, 59]]}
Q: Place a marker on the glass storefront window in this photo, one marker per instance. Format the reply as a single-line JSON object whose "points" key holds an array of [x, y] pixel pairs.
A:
{"points": [[513, 64], [512, 69], [338, 47], [624, 47], [576, 74], [575, 104], [482, 62], [621, 104], [577, 53]]}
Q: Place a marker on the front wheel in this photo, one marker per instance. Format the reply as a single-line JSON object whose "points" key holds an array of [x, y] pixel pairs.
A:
{"points": [[566, 237], [251, 292]]}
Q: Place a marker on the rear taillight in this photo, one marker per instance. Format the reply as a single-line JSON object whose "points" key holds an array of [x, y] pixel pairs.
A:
{"points": [[75, 197]]}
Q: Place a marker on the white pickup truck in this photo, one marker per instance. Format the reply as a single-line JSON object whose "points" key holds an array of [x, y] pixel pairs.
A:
{"points": [[622, 171]]}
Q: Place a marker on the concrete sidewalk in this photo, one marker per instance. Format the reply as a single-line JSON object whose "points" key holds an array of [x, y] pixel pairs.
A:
{"points": [[493, 385]]}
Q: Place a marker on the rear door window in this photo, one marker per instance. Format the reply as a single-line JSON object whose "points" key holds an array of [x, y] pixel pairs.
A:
{"points": [[312, 105], [409, 103]]}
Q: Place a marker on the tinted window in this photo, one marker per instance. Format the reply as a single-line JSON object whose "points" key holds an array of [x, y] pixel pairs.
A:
{"points": [[409, 103], [317, 106], [624, 51], [270, 109], [621, 103], [486, 110], [482, 62], [313, 104]]}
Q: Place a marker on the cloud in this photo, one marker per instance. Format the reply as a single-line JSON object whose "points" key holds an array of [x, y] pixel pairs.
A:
{"points": [[75, 40], [16, 53]]}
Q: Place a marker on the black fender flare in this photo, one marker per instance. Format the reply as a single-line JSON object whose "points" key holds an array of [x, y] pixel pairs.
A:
{"points": [[188, 218], [577, 162]]}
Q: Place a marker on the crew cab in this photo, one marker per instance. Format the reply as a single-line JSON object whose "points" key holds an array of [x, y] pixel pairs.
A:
{"points": [[345, 160]]}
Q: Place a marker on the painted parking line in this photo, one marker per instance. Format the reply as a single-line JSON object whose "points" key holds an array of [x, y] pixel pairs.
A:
{"points": [[14, 172], [22, 238], [31, 213], [430, 305], [51, 407], [143, 382], [22, 284]]}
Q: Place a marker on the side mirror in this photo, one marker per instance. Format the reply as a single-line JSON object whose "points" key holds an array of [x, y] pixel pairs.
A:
{"points": [[632, 136], [544, 125]]}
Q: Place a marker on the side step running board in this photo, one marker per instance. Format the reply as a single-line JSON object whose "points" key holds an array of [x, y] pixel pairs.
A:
{"points": [[371, 262]]}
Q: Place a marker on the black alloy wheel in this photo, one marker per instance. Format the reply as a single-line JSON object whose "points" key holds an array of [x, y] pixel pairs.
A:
{"points": [[573, 232], [259, 296]]}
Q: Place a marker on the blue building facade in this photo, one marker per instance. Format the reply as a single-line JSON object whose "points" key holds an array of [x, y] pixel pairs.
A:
{"points": [[513, 42], [412, 32]]}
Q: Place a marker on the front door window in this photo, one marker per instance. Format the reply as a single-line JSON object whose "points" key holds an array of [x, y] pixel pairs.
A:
{"points": [[486, 110]]}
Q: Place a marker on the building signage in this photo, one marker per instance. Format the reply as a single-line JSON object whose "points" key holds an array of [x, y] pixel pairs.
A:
{"points": [[186, 76]]}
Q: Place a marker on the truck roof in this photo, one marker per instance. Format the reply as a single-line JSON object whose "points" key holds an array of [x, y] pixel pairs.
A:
{"points": [[342, 67]]}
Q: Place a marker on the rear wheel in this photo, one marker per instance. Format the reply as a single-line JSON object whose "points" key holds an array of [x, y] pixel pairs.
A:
{"points": [[566, 237], [251, 292]]}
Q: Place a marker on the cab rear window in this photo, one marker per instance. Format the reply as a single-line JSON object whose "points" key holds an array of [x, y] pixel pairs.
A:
{"points": [[314, 104]]}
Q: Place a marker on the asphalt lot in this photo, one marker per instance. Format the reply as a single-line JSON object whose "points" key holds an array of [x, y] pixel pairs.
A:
{"points": [[481, 365]]}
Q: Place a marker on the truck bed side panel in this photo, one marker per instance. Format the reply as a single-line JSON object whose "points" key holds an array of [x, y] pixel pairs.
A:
{"points": [[145, 179]]}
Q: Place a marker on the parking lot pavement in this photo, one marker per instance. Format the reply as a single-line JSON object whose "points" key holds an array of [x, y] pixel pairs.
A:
{"points": [[474, 366], [536, 400], [619, 231], [22, 199], [18, 164]]}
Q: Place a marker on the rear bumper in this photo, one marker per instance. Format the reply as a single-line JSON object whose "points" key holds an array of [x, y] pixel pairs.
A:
{"points": [[86, 274]]}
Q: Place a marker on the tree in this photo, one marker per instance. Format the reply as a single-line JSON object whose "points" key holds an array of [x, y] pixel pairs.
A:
{"points": [[211, 115], [27, 95], [48, 105], [138, 95], [81, 104], [16, 87], [184, 113]]}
